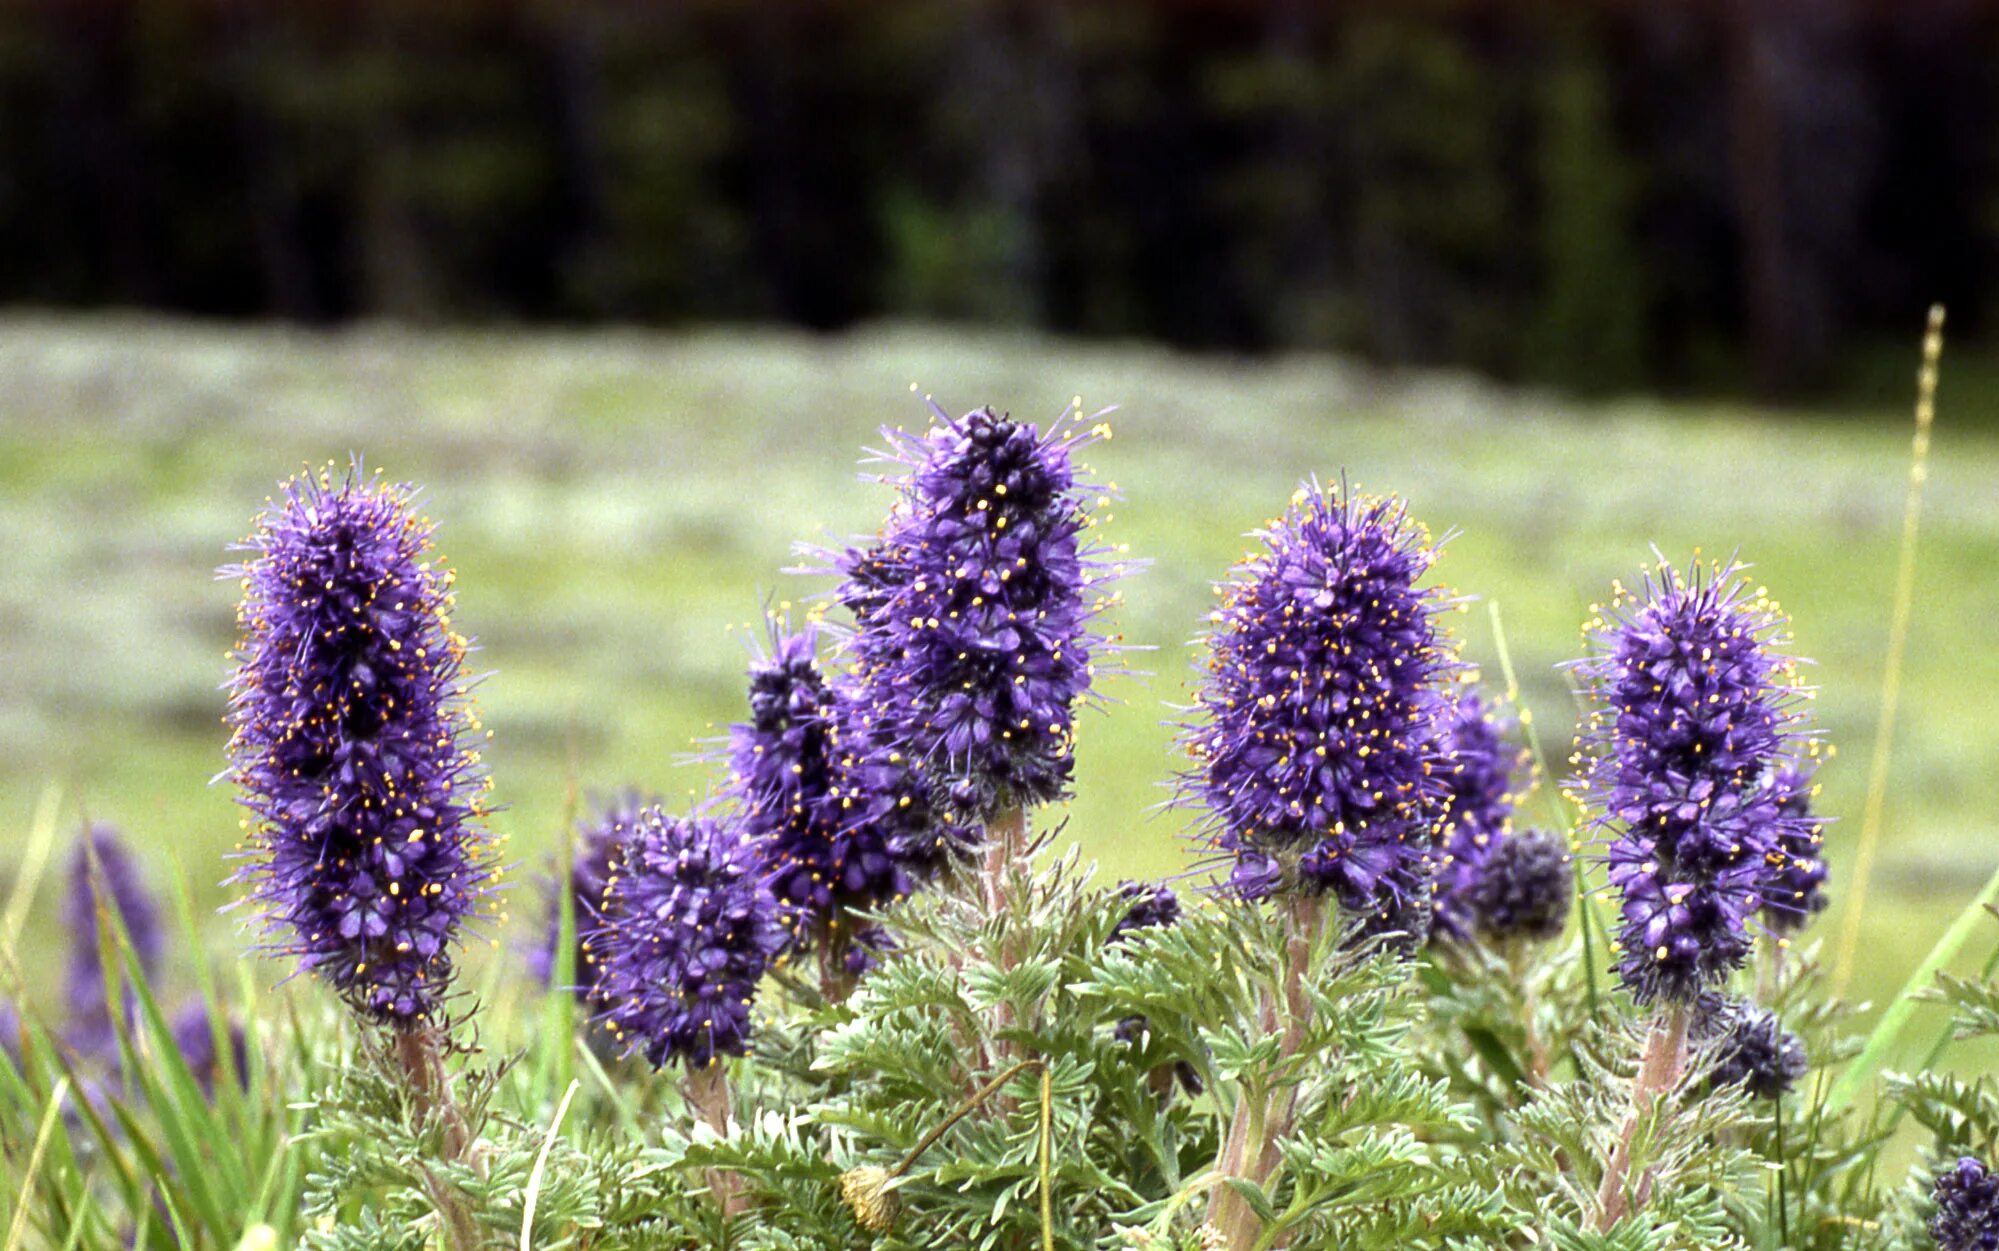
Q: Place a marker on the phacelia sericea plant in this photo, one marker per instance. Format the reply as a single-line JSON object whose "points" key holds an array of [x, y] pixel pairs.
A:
{"points": [[1314, 740], [353, 745], [974, 607], [1695, 706], [687, 929]]}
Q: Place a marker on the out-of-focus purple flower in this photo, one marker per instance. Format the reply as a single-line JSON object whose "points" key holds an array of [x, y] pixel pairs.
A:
{"points": [[1315, 741], [825, 843], [1693, 706], [1967, 1215], [353, 745], [194, 1037], [974, 609], [687, 931], [10, 1032], [123, 886], [592, 850], [1148, 905], [1483, 781], [1750, 1047], [1798, 894], [1523, 888]]}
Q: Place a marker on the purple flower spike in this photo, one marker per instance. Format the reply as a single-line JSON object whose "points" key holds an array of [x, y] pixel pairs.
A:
{"points": [[353, 745], [688, 930], [810, 806], [84, 989], [1799, 893], [1315, 741], [1693, 707], [974, 610], [1967, 1199], [1483, 781], [593, 849]]}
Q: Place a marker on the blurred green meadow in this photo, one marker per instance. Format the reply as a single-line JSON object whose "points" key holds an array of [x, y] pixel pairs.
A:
{"points": [[621, 507]]}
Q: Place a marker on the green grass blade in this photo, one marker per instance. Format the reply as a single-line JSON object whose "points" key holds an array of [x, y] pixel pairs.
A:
{"points": [[1895, 1021], [17, 1228]]}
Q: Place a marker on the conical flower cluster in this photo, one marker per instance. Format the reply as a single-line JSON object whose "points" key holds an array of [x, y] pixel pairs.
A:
{"points": [[1483, 782], [353, 744], [1315, 740], [974, 610], [688, 929], [811, 823], [1694, 706]]}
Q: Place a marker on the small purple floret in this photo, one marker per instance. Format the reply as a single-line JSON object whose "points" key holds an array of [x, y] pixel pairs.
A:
{"points": [[1693, 707], [1315, 741], [688, 930], [354, 745]]}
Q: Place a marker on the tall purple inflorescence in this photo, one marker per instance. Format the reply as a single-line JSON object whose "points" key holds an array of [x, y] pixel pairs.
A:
{"points": [[688, 929], [974, 607], [592, 851], [1967, 1199], [353, 745], [1482, 782], [121, 885], [813, 824], [1799, 892], [1693, 706], [1315, 742]]}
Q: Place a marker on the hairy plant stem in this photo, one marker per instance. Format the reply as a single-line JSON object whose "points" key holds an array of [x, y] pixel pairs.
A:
{"points": [[418, 1054], [1006, 843], [1659, 1071], [836, 984], [1263, 1117], [707, 1091]]}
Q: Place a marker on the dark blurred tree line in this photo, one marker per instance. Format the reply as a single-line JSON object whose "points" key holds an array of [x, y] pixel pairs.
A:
{"points": [[1601, 195]]}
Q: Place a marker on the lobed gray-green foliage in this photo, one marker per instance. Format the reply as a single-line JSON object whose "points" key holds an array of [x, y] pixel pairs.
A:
{"points": [[1464, 1098]]}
